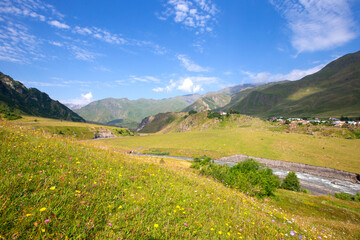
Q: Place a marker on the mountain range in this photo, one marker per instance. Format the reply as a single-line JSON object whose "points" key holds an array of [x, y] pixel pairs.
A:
{"points": [[129, 113], [333, 91], [15, 97]]}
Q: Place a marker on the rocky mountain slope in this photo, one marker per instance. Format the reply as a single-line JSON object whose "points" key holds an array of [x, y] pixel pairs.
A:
{"points": [[214, 100], [15, 97]]}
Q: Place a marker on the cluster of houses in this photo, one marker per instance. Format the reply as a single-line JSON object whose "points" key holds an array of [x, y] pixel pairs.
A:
{"points": [[332, 121]]}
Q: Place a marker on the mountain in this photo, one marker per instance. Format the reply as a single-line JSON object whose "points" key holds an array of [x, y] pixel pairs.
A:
{"points": [[73, 106], [185, 122], [214, 100], [129, 113], [14, 96], [333, 91]]}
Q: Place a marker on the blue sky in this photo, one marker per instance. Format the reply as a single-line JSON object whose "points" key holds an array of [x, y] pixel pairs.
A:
{"points": [[85, 50]]}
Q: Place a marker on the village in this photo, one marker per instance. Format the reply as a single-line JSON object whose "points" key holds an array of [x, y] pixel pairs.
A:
{"points": [[332, 121]]}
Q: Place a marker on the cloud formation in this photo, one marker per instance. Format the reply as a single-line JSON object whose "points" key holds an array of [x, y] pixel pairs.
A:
{"points": [[144, 79], [317, 25], [190, 65], [58, 24], [188, 84], [18, 44], [266, 77], [194, 14], [80, 102]]}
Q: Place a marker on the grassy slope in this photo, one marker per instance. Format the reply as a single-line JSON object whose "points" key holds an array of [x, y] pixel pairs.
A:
{"points": [[333, 91], [57, 188], [75, 130], [209, 102]]}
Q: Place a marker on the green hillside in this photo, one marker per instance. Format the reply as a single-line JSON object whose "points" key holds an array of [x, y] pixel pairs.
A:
{"points": [[333, 91], [209, 102], [215, 100], [15, 97], [183, 122], [129, 113]]}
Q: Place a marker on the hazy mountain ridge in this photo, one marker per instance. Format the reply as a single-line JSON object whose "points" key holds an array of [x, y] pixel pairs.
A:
{"points": [[14, 96]]}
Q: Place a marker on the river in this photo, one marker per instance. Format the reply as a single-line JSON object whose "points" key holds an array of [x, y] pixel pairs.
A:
{"points": [[315, 184]]}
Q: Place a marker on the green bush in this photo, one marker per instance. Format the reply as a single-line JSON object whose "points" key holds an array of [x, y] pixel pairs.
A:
{"points": [[192, 112], [291, 182], [11, 116], [124, 132], [200, 161], [348, 197], [248, 176], [211, 115]]}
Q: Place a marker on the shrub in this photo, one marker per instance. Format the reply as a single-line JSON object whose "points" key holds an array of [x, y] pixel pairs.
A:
{"points": [[124, 132], [200, 161], [291, 182], [211, 115], [348, 197], [233, 111], [248, 176], [11, 116], [192, 112], [304, 190]]}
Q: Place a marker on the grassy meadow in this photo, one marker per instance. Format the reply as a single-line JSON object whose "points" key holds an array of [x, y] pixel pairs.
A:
{"points": [[333, 152], [53, 187], [74, 130]]}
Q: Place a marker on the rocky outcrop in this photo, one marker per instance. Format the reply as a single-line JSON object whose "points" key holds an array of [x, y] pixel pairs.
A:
{"points": [[103, 133], [299, 167], [143, 123]]}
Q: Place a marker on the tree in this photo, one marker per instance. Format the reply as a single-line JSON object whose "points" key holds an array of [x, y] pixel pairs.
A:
{"points": [[192, 112], [291, 182]]}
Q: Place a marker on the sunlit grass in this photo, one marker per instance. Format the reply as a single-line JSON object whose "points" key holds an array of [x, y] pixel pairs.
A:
{"points": [[335, 153], [75, 130], [56, 188]]}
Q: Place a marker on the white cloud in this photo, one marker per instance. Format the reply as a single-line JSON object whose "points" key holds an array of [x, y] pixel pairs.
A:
{"points": [[87, 97], [146, 79], [100, 34], [58, 44], [317, 25], [58, 24], [25, 8], [17, 44], [188, 84], [296, 74], [82, 101], [82, 54], [194, 14], [191, 66]]}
